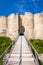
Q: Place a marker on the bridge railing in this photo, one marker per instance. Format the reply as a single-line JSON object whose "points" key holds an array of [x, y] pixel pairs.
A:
{"points": [[38, 59], [36, 55], [3, 57], [6, 54]]}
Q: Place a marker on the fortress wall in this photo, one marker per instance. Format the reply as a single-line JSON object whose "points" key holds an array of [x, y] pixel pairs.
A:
{"points": [[16, 30], [3, 20], [27, 22], [38, 25], [33, 25], [12, 26]]}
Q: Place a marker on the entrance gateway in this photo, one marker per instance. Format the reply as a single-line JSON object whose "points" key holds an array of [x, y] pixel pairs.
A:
{"points": [[21, 28]]}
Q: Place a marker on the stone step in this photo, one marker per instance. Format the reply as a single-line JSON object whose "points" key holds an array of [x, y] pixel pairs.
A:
{"points": [[24, 47], [22, 54], [18, 55], [27, 54], [13, 59], [26, 51], [13, 63], [16, 49], [28, 63], [27, 59], [17, 59], [15, 52]]}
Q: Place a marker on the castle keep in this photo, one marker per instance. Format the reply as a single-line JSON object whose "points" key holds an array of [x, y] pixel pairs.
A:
{"points": [[31, 25]]}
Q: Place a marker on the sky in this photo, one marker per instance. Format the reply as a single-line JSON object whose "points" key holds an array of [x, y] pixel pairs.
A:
{"points": [[20, 6]]}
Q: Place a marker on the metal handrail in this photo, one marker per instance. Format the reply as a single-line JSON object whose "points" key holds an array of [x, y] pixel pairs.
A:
{"points": [[6, 50], [6, 59], [35, 53], [3, 56]]}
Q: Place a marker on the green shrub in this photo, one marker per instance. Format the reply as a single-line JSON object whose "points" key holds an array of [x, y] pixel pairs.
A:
{"points": [[1, 62], [40, 62], [38, 44], [4, 43]]}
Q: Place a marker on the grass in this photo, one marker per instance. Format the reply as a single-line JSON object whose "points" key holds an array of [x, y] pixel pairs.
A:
{"points": [[38, 44], [40, 62], [1, 62], [4, 43]]}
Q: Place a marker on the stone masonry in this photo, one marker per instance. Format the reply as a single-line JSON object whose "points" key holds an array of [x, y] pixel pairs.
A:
{"points": [[32, 23], [12, 26], [38, 25], [3, 25], [27, 22]]}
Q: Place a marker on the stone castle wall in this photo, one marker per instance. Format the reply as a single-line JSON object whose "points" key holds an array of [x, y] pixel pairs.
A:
{"points": [[3, 27], [12, 26], [38, 25], [9, 26], [27, 22], [32, 23]]}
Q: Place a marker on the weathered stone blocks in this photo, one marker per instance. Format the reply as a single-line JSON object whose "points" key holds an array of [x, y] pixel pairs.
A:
{"points": [[27, 22], [3, 27], [38, 25], [32, 24], [13, 26]]}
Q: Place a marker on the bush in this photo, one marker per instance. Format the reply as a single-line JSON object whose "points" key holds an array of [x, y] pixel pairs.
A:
{"points": [[1, 62], [40, 62], [38, 44], [4, 43]]}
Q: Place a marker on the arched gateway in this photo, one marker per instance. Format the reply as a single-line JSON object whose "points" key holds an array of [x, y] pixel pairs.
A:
{"points": [[21, 28]]}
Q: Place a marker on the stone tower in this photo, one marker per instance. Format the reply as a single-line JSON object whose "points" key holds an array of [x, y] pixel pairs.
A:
{"points": [[27, 22], [12, 26], [38, 25]]}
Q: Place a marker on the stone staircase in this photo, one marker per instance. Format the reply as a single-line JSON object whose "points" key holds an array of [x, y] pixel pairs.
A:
{"points": [[21, 53], [27, 56]]}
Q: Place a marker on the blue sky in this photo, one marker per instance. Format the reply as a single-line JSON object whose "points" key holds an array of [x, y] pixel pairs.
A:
{"points": [[21, 6]]}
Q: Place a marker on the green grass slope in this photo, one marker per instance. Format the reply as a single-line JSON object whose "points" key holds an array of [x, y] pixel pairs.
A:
{"points": [[38, 44], [4, 43]]}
